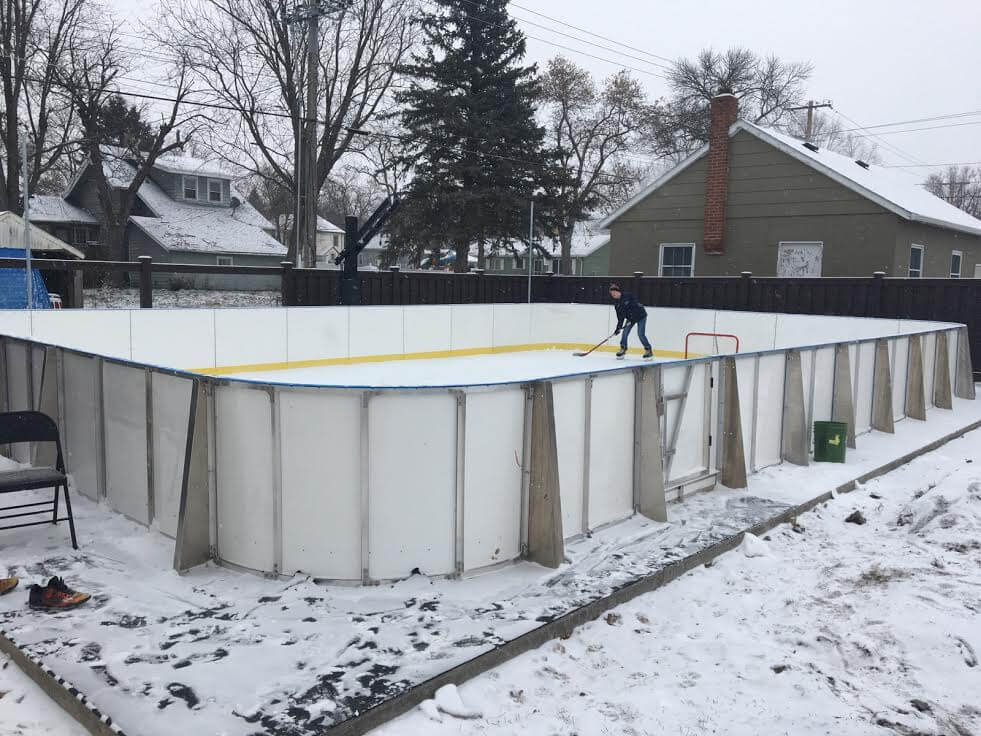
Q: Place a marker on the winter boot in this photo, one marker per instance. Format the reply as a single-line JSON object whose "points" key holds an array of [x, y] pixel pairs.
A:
{"points": [[621, 352], [7, 585], [55, 596], [648, 353]]}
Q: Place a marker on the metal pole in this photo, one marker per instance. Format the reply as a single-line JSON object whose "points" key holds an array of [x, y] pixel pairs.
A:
{"points": [[27, 225], [531, 242]]}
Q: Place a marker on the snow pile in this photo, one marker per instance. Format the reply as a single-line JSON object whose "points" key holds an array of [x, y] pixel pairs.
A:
{"points": [[753, 546], [112, 298]]}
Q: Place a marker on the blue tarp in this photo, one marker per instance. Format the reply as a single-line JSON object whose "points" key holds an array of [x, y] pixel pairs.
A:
{"points": [[13, 286]]}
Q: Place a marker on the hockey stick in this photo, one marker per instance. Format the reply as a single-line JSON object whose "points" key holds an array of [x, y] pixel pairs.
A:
{"points": [[582, 355]]}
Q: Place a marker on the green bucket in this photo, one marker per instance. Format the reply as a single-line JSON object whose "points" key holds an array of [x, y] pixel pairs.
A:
{"points": [[830, 439]]}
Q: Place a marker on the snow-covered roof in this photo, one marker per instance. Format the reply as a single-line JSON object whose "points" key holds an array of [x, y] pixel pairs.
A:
{"points": [[52, 208], [587, 238], [183, 226], [323, 224], [180, 163], [893, 190], [12, 236]]}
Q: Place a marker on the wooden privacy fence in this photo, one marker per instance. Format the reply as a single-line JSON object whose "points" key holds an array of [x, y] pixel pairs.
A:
{"points": [[949, 300]]}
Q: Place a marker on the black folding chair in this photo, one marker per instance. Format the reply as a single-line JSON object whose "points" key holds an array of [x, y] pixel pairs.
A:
{"points": [[33, 426]]}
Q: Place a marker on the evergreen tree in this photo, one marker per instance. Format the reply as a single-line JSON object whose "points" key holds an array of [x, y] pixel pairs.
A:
{"points": [[469, 113]]}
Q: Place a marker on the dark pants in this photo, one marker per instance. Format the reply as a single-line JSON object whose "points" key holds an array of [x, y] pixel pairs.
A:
{"points": [[641, 327]]}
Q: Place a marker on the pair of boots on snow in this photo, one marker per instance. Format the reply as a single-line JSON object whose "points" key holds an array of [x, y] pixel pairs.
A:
{"points": [[55, 596]]}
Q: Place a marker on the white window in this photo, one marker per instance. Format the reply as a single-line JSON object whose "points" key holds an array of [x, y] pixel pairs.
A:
{"points": [[519, 263], [214, 190], [225, 261], [955, 264], [916, 261], [677, 260], [799, 259], [190, 187]]}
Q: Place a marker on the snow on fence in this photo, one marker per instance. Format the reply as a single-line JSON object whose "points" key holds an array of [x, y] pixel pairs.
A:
{"points": [[370, 483]]}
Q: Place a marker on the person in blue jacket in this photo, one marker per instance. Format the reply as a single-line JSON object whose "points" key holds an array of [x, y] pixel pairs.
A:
{"points": [[630, 312]]}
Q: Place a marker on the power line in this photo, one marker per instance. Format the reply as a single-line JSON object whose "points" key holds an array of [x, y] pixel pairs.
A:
{"points": [[931, 166], [890, 146], [914, 130], [967, 114]]}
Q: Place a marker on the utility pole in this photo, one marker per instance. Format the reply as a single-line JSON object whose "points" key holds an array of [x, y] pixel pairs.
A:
{"points": [[811, 106], [27, 225], [309, 185]]}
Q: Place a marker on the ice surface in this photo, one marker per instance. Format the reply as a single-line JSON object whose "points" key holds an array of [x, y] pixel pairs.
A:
{"points": [[478, 370]]}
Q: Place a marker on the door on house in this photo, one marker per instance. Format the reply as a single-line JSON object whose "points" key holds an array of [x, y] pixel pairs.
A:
{"points": [[799, 260]]}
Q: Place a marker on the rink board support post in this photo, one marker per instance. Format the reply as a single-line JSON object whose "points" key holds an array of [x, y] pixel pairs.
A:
{"points": [[545, 540], [964, 375], [649, 498], [882, 418], [793, 442], [842, 401], [732, 463], [193, 545], [915, 395]]}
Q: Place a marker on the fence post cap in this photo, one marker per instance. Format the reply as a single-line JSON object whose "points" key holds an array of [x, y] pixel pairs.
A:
{"points": [[879, 274], [286, 264], [144, 259], [394, 269], [746, 274], [478, 271], [638, 274]]}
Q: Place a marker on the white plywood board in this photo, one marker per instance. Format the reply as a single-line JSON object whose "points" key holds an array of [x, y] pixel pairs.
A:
{"points": [[512, 324], [806, 358], [745, 375], [15, 323], [928, 346], [804, 329], [174, 338], [667, 327], [952, 358], [317, 333], [611, 448], [899, 352], [755, 331], [18, 390], [824, 384], [124, 399], [865, 365], [321, 446], [427, 329], [569, 399], [171, 404], [472, 326], [243, 428], [412, 483], [81, 440], [376, 331], [569, 323], [689, 456], [250, 336], [100, 331], [492, 477], [769, 410]]}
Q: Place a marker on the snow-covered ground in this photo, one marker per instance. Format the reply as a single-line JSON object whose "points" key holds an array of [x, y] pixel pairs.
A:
{"points": [[216, 651], [827, 627], [107, 298], [25, 709]]}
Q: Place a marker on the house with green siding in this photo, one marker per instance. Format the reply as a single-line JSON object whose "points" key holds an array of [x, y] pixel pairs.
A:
{"points": [[590, 254], [755, 199], [186, 211]]}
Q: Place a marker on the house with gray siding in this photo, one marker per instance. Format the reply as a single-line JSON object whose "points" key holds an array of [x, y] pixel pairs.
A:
{"points": [[186, 211], [755, 199], [589, 252]]}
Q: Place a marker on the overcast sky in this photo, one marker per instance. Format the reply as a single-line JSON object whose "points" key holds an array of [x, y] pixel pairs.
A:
{"points": [[878, 61]]}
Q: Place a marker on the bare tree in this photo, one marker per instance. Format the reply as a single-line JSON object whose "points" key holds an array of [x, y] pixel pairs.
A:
{"points": [[589, 130], [35, 36], [828, 132], [959, 185], [120, 163], [249, 56], [766, 87]]}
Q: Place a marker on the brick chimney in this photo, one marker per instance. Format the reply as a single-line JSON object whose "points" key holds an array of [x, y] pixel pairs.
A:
{"points": [[725, 111]]}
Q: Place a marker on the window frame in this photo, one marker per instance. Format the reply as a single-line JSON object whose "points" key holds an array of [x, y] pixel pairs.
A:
{"points": [[660, 260], [229, 260], [221, 192], [909, 262], [803, 242], [960, 263], [197, 190]]}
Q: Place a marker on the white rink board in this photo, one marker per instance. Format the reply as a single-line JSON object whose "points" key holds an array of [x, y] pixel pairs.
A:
{"points": [[611, 442], [471, 326], [426, 329], [512, 324], [171, 405], [411, 484], [243, 428], [124, 398], [101, 331], [18, 390], [928, 346], [316, 334], [865, 373], [246, 336], [769, 410], [899, 351], [569, 398], [689, 455], [494, 438], [81, 440], [376, 331], [824, 384], [195, 348], [321, 500]]}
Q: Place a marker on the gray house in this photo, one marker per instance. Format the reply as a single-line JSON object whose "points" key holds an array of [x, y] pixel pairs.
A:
{"points": [[754, 199], [590, 254], [187, 211]]}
